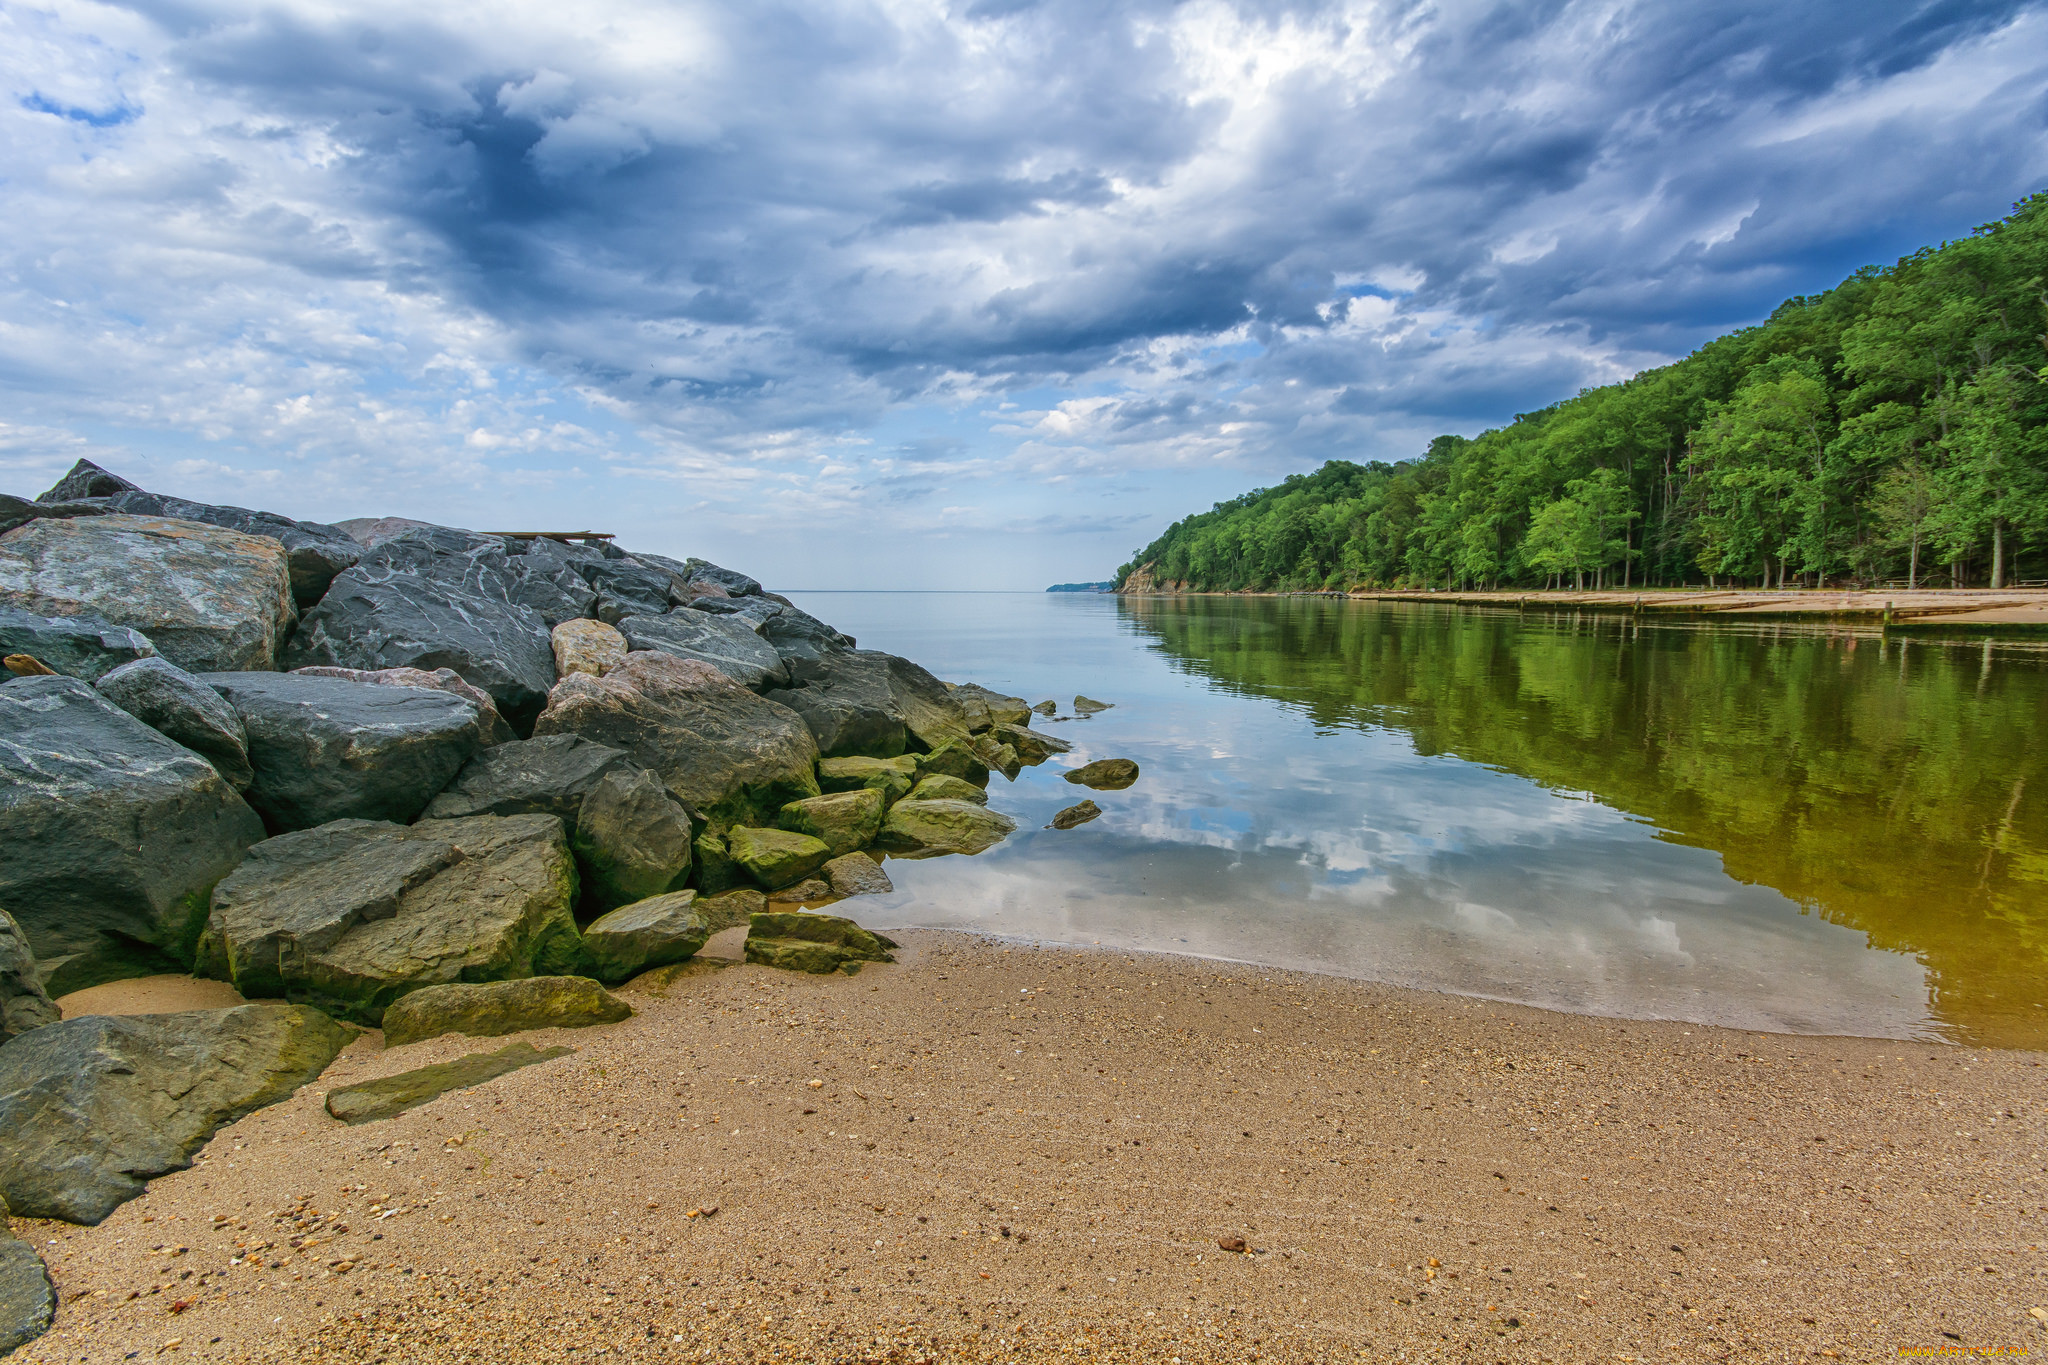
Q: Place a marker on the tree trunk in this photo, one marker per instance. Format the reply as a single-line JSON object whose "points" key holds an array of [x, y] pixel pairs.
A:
{"points": [[1997, 552], [1913, 564]]}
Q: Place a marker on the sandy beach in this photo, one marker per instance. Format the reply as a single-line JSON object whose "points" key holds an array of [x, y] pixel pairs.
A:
{"points": [[993, 1152]]}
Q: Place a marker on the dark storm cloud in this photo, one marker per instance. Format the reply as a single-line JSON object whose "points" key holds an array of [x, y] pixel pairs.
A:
{"points": [[1078, 237]]}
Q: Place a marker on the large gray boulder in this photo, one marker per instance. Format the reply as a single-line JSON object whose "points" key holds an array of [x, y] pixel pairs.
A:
{"points": [[179, 707], [208, 598], [27, 1300], [314, 552], [491, 726], [549, 775], [805, 643], [435, 598], [95, 1107], [329, 749], [631, 839], [86, 480], [728, 755], [24, 1004], [985, 707], [727, 643], [355, 914], [111, 835], [549, 580], [703, 570], [77, 646], [865, 702]]}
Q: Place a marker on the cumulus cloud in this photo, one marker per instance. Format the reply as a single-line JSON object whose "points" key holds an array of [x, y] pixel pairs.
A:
{"points": [[704, 273]]}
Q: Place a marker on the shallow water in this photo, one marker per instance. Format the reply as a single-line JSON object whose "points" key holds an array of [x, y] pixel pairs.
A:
{"points": [[1769, 827]]}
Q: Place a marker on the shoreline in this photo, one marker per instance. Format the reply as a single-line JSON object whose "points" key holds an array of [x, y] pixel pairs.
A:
{"points": [[1124, 1111], [2016, 612]]}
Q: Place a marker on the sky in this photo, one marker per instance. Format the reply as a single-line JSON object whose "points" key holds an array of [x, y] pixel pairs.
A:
{"points": [[975, 294]]}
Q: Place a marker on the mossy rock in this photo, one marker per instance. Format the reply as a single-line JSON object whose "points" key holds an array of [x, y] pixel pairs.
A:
{"points": [[489, 1009], [953, 760], [892, 777], [845, 821], [1105, 774], [939, 787], [797, 940], [776, 858], [716, 871], [649, 933], [927, 829], [392, 1095]]}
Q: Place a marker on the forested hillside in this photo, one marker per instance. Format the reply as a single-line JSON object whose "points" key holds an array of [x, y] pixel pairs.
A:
{"points": [[1894, 428]]}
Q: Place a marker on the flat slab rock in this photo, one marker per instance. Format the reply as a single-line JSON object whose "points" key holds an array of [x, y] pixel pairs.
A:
{"points": [[728, 643], [111, 835], [358, 913], [207, 598], [490, 1009], [798, 940], [493, 728], [323, 748], [96, 1107], [546, 776], [393, 1095]]}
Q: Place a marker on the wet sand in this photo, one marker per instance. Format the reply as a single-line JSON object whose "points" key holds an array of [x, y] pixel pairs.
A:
{"points": [[990, 1153]]}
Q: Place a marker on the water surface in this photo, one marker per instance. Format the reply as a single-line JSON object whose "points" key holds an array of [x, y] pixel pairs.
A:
{"points": [[1768, 827]]}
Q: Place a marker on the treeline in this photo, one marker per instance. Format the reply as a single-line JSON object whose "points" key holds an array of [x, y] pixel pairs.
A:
{"points": [[1892, 429]]}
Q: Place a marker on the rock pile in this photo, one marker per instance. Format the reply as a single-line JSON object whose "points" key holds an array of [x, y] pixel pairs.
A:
{"points": [[373, 769]]}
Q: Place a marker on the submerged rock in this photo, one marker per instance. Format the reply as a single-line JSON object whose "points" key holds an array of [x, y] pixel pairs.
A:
{"points": [[798, 940], [431, 599], [208, 599], [845, 821], [1075, 815], [1031, 746], [866, 702], [179, 707], [328, 749], [892, 777], [953, 760], [727, 643], [358, 913], [631, 838], [649, 933], [1047, 708], [728, 755], [776, 857], [28, 1302], [856, 874], [111, 835], [77, 646], [985, 708], [95, 1107], [927, 829], [389, 1096], [490, 1009], [24, 1004], [1105, 774], [491, 727], [1084, 706], [586, 646]]}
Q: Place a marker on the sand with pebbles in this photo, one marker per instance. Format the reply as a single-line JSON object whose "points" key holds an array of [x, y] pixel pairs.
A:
{"points": [[990, 1153]]}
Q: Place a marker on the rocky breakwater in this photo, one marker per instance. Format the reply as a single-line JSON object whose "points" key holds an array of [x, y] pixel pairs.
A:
{"points": [[390, 773]]}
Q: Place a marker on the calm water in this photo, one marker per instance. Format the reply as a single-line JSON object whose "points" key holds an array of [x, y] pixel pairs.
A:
{"points": [[1759, 826]]}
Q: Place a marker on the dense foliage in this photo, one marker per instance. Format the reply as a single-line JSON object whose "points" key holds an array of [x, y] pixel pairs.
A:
{"points": [[1892, 428]]}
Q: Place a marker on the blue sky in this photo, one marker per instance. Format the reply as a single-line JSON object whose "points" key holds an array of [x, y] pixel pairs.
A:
{"points": [[923, 293]]}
